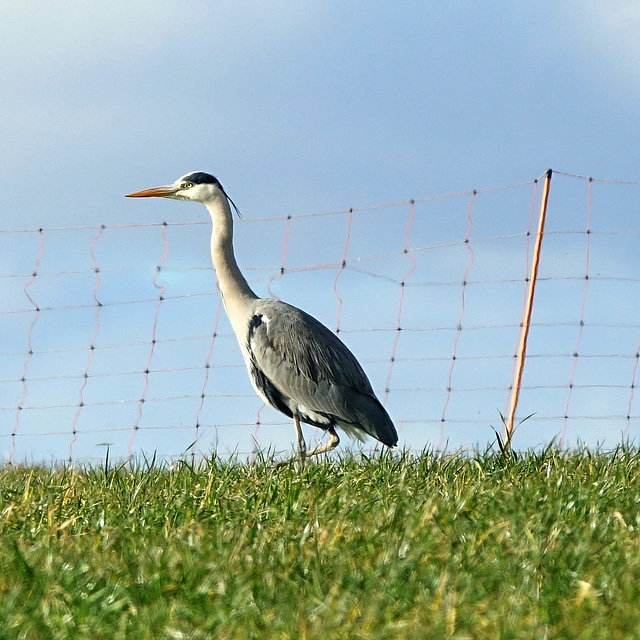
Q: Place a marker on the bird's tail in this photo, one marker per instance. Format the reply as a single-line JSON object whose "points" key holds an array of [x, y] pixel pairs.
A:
{"points": [[370, 416]]}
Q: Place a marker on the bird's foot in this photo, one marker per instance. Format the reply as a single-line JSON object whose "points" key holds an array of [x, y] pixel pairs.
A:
{"points": [[303, 454], [334, 441], [297, 460]]}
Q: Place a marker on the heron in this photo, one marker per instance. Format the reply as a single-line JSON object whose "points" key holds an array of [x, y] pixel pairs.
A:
{"points": [[296, 364]]}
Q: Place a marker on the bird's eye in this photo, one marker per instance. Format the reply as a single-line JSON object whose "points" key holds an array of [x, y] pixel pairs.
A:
{"points": [[186, 185]]}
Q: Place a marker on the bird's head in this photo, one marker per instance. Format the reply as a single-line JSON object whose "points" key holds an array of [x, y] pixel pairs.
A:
{"points": [[196, 186]]}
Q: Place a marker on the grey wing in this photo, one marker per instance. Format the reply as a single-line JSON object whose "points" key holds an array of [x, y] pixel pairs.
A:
{"points": [[301, 366]]}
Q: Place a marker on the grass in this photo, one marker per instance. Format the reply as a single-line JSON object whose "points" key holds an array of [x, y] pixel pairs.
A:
{"points": [[543, 546]]}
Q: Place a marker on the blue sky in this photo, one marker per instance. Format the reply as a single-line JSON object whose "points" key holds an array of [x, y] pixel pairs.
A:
{"points": [[309, 105], [303, 106]]}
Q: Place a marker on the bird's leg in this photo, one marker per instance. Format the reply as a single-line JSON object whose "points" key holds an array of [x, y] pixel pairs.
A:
{"points": [[334, 441], [301, 457], [302, 445], [303, 454]]}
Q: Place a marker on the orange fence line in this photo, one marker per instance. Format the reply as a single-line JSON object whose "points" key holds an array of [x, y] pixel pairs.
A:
{"points": [[526, 322]]}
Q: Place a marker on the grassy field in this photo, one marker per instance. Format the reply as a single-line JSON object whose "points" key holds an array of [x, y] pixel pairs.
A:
{"points": [[544, 546]]}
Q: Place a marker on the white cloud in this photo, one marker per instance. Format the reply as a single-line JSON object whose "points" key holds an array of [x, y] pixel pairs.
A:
{"points": [[610, 28], [36, 34], [62, 34]]}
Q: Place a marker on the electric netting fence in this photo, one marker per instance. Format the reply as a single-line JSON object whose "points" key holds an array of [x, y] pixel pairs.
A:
{"points": [[115, 336]]}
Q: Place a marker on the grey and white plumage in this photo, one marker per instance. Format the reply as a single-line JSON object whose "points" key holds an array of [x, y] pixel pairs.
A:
{"points": [[296, 364]]}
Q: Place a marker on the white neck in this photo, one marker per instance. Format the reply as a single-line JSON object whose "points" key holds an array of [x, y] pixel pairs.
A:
{"points": [[236, 292]]}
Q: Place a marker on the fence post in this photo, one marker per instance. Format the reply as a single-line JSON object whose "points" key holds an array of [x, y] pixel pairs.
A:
{"points": [[526, 320]]}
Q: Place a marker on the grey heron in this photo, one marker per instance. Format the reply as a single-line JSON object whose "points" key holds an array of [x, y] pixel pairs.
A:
{"points": [[296, 364]]}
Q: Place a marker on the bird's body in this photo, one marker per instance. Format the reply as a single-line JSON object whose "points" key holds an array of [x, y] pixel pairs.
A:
{"points": [[296, 364], [300, 367]]}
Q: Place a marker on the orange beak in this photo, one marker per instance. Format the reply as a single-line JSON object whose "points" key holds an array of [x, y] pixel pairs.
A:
{"points": [[155, 192]]}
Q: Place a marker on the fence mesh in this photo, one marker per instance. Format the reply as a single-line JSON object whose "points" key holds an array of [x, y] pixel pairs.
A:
{"points": [[115, 336]]}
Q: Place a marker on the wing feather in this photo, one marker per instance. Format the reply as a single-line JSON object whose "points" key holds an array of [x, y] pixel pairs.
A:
{"points": [[308, 367]]}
